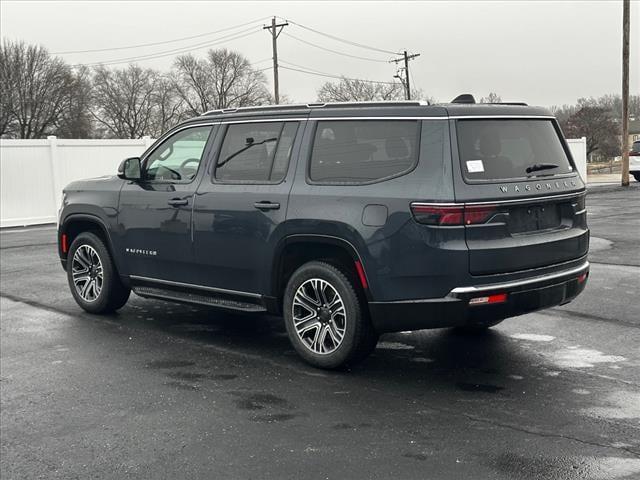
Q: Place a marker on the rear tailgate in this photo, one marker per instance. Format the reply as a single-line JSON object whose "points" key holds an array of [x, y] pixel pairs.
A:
{"points": [[533, 233], [530, 203]]}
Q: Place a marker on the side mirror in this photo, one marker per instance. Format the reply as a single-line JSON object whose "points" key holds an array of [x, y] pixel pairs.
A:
{"points": [[129, 169]]}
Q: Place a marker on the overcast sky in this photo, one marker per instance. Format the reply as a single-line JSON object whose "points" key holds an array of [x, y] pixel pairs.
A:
{"points": [[544, 53]]}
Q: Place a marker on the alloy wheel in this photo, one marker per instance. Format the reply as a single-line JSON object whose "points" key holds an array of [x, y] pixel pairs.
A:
{"points": [[87, 272], [319, 316]]}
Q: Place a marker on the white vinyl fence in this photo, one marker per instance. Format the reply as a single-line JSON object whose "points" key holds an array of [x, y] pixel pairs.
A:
{"points": [[34, 172], [578, 147]]}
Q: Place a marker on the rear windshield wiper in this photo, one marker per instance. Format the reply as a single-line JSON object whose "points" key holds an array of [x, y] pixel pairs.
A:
{"points": [[536, 167]]}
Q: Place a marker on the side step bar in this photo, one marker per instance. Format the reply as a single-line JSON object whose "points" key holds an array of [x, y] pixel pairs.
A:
{"points": [[184, 293]]}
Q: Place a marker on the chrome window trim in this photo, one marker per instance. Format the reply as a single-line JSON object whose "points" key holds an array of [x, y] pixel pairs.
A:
{"points": [[264, 120], [519, 283], [390, 117], [485, 117], [502, 202]]}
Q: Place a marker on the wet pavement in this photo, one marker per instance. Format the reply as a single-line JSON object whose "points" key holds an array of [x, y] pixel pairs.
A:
{"points": [[170, 391]]}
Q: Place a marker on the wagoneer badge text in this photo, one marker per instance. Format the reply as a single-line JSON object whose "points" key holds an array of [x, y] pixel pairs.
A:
{"points": [[539, 186], [141, 251]]}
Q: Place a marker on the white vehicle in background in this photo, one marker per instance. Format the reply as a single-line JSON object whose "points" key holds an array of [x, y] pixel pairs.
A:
{"points": [[634, 160]]}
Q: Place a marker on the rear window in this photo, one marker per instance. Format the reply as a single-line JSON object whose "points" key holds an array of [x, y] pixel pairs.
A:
{"points": [[357, 152], [508, 149]]}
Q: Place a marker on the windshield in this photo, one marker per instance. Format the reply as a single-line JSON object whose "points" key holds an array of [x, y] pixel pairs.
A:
{"points": [[510, 148]]}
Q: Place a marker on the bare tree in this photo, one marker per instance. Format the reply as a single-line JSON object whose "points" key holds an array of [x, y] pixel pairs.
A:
{"points": [[124, 100], [169, 106], [223, 79], [34, 90], [597, 124], [491, 98], [76, 120], [354, 90]]}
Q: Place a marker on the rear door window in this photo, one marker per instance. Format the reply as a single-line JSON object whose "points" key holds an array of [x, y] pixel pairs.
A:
{"points": [[510, 149], [256, 152], [363, 151]]}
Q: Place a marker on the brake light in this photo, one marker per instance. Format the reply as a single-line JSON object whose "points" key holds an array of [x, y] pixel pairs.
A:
{"points": [[451, 214], [582, 277], [438, 214], [496, 298], [63, 243], [474, 215]]}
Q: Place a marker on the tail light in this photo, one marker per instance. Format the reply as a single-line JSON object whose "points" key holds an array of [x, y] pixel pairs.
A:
{"points": [[444, 214]]}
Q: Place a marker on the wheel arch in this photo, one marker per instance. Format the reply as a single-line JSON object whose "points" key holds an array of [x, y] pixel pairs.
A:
{"points": [[77, 223], [295, 250]]}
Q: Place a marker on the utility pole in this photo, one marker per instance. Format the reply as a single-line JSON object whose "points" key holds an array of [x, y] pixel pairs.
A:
{"points": [[273, 29], [405, 58], [625, 92]]}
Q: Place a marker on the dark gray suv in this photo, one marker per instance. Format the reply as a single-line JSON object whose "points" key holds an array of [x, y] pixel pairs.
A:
{"points": [[350, 220]]}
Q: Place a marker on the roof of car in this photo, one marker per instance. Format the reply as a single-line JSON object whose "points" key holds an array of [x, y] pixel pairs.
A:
{"points": [[375, 109]]}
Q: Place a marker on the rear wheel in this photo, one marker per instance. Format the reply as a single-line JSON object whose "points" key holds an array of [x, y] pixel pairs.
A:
{"points": [[636, 175], [92, 276], [327, 321]]}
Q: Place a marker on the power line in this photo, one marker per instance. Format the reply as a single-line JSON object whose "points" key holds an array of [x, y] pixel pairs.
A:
{"points": [[68, 52], [356, 44], [334, 51], [210, 43], [340, 77]]}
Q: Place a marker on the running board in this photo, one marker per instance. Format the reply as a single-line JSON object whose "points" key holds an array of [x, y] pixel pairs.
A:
{"points": [[206, 298]]}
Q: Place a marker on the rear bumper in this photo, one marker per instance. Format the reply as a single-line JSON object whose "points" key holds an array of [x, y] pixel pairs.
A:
{"points": [[523, 296]]}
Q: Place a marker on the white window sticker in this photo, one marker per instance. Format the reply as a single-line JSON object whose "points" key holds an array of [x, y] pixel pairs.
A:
{"points": [[475, 166]]}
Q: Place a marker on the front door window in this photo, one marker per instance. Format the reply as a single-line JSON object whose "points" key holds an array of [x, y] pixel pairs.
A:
{"points": [[177, 159]]}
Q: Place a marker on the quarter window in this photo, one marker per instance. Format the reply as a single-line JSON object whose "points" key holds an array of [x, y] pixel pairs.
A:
{"points": [[256, 152], [178, 157], [355, 152]]}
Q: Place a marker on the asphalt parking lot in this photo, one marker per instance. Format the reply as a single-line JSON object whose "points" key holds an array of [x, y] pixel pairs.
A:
{"points": [[170, 391]]}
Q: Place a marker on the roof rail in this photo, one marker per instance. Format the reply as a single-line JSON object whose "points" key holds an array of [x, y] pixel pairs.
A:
{"points": [[306, 106], [522, 104]]}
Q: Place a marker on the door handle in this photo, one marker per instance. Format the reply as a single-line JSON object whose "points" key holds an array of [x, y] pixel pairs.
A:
{"points": [[265, 205], [177, 202]]}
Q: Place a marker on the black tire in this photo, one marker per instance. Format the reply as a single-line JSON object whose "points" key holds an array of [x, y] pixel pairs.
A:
{"points": [[636, 175], [477, 328], [112, 293], [359, 338]]}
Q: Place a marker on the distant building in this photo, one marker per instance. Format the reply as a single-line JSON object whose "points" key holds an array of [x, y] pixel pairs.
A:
{"points": [[634, 131]]}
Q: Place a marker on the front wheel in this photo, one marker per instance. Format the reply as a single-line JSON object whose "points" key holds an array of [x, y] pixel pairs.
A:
{"points": [[636, 175], [327, 321], [92, 276]]}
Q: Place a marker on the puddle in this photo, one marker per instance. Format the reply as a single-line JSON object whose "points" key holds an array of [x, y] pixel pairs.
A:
{"points": [[581, 391], [573, 357], [422, 360], [532, 337], [597, 244], [618, 405], [394, 346], [568, 468]]}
